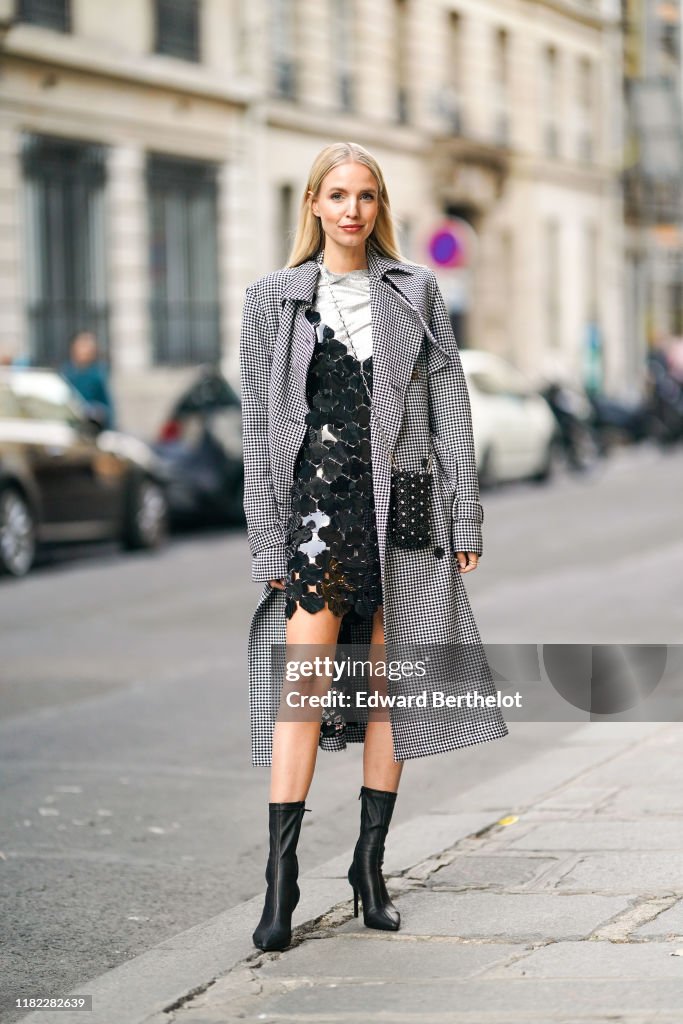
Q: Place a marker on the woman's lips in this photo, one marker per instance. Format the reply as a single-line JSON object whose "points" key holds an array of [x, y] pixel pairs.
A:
{"points": [[351, 227]]}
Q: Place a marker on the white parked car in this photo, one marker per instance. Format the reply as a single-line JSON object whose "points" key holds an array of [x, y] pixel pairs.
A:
{"points": [[514, 429]]}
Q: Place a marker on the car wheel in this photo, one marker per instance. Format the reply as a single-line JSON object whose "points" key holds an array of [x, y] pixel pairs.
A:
{"points": [[17, 533], [146, 524]]}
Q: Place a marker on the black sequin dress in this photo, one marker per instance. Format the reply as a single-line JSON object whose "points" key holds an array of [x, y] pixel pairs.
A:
{"points": [[333, 555]]}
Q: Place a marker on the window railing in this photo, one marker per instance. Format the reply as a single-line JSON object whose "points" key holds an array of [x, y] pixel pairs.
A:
{"points": [[185, 332], [345, 90], [54, 14], [177, 29], [64, 183], [184, 305], [402, 105], [52, 323], [284, 78]]}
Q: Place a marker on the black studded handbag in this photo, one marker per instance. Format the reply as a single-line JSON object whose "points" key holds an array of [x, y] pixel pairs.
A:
{"points": [[410, 506], [411, 490]]}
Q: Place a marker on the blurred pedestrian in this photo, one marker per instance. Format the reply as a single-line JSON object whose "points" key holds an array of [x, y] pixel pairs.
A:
{"points": [[90, 376], [19, 360], [347, 309], [674, 358]]}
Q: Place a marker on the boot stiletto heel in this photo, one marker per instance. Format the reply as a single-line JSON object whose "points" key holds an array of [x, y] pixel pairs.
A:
{"points": [[365, 872]]}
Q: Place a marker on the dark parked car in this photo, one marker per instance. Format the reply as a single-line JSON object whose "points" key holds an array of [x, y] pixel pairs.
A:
{"points": [[201, 444], [64, 478]]}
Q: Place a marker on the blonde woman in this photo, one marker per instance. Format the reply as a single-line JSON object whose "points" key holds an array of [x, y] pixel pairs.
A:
{"points": [[348, 359]]}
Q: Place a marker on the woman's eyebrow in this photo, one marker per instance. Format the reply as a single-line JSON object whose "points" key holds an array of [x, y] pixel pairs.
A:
{"points": [[339, 188]]}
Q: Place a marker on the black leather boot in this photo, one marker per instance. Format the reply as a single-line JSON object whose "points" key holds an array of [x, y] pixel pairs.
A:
{"points": [[365, 873], [274, 930]]}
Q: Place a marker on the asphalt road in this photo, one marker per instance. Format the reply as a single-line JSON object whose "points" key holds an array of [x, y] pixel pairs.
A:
{"points": [[130, 809]]}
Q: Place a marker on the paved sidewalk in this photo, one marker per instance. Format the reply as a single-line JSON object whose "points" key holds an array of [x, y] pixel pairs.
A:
{"points": [[569, 908], [552, 893]]}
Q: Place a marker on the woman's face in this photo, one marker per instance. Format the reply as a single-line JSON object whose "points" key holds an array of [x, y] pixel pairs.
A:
{"points": [[347, 204]]}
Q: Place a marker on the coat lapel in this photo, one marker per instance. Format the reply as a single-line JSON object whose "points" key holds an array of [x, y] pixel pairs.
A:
{"points": [[398, 326]]}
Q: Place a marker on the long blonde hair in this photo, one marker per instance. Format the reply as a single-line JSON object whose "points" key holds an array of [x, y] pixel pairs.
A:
{"points": [[310, 237]]}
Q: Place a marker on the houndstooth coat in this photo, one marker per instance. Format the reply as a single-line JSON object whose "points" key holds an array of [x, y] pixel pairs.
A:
{"points": [[420, 395]]}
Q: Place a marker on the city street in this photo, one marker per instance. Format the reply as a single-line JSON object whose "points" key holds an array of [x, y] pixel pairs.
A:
{"points": [[202, 278], [131, 811]]}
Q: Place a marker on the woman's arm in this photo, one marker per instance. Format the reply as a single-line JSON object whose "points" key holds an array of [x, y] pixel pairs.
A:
{"points": [[264, 529], [451, 419]]}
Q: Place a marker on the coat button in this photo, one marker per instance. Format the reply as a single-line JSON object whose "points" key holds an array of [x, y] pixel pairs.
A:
{"points": [[439, 552]]}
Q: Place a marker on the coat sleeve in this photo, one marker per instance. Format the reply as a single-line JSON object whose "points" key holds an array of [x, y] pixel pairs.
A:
{"points": [[264, 529], [451, 418]]}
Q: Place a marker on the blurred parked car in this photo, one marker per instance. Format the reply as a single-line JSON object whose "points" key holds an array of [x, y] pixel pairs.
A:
{"points": [[201, 443], [515, 435], [64, 478]]}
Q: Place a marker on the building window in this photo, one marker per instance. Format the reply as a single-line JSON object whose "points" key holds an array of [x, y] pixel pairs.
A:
{"points": [[185, 310], [400, 61], [507, 257], [65, 244], [239, 41], [501, 87], [449, 105], [405, 232], [551, 289], [585, 97], [591, 270], [283, 48], [670, 32], [55, 14], [286, 221], [342, 21], [550, 102], [177, 28]]}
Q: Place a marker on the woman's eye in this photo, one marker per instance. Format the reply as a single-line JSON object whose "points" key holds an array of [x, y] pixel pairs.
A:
{"points": [[366, 195]]}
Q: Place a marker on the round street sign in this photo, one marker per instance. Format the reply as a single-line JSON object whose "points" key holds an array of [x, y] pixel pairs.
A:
{"points": [[449, 243]]}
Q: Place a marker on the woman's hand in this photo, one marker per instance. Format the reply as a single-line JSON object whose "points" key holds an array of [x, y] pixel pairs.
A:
{"points": [[277, 584], [467, 560]]}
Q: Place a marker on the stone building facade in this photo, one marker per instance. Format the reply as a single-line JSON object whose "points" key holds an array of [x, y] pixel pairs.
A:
{"points": [[154, 153]]}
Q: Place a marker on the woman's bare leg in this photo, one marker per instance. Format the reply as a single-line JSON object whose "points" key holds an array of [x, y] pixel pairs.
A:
{"points": [[380, 771], [295, 743]]}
